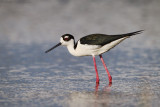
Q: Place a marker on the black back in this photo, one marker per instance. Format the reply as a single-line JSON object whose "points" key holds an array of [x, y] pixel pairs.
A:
{"points": [[102, 39]]}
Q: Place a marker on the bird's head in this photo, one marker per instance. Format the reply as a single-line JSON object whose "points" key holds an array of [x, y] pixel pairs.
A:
{"points": [[65, 40]]}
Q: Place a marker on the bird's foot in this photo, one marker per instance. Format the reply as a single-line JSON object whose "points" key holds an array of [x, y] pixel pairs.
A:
{"points": [[110, 84], [110, 79], [97, 85], [97, 81]]}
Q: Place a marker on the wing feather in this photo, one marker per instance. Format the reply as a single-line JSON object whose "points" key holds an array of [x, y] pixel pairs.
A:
{"points": [[102, 39]]}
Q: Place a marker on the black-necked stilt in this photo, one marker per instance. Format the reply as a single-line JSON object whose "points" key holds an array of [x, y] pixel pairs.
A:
{"points": [[93, 44]]}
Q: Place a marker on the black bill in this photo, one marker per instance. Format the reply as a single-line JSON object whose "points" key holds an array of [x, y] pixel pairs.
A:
{"points": [[53, 47]]}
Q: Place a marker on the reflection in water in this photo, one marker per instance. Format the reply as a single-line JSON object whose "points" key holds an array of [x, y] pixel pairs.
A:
{"points": [[31, 78], [99, 98], [108, 97], [105, 88]]}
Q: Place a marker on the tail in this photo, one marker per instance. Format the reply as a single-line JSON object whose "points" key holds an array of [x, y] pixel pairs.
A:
{"points": [[132, 33]]}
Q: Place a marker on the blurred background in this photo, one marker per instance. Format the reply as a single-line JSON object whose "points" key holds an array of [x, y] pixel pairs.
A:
{"points": [[38, 21], [29, 77]]}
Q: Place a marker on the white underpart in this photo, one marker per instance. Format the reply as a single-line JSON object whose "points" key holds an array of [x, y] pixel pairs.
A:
{"points": [[85, 50], [109, 46]]}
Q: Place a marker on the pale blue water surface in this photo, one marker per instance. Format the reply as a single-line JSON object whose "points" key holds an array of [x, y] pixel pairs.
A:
{"points": [[31, 78]]}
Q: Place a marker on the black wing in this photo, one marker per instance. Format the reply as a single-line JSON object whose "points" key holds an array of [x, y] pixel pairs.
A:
{"points": [[102, 39]]}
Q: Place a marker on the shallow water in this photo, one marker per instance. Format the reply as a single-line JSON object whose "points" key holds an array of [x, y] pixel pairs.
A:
{"points": [[29, 77]]}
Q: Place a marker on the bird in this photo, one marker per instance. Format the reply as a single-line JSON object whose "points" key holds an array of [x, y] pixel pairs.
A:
{"points": [[93, 45]]}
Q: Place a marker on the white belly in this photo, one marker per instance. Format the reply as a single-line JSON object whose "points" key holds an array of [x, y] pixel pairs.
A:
{"points": [[86, 50]]}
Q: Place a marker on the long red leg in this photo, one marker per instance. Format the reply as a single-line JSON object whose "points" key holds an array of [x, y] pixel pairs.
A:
{"points": [[97, 77], [109, 76]]}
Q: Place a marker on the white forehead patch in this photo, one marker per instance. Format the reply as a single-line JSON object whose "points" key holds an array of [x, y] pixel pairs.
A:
{"points": [[66, 37]]}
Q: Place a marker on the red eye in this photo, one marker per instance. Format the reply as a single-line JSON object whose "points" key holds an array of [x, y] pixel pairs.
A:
{"points": [[66, 39]]}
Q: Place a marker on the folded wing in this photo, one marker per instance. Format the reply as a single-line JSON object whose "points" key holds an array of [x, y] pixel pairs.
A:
{"points": [[102, 39]]}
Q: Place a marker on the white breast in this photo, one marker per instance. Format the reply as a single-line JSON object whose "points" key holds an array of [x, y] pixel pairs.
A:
{"points": [[86, 50]]}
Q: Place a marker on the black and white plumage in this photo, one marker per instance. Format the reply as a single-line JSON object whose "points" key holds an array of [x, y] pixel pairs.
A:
{"points": [[102, 39], [93, 44]]}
